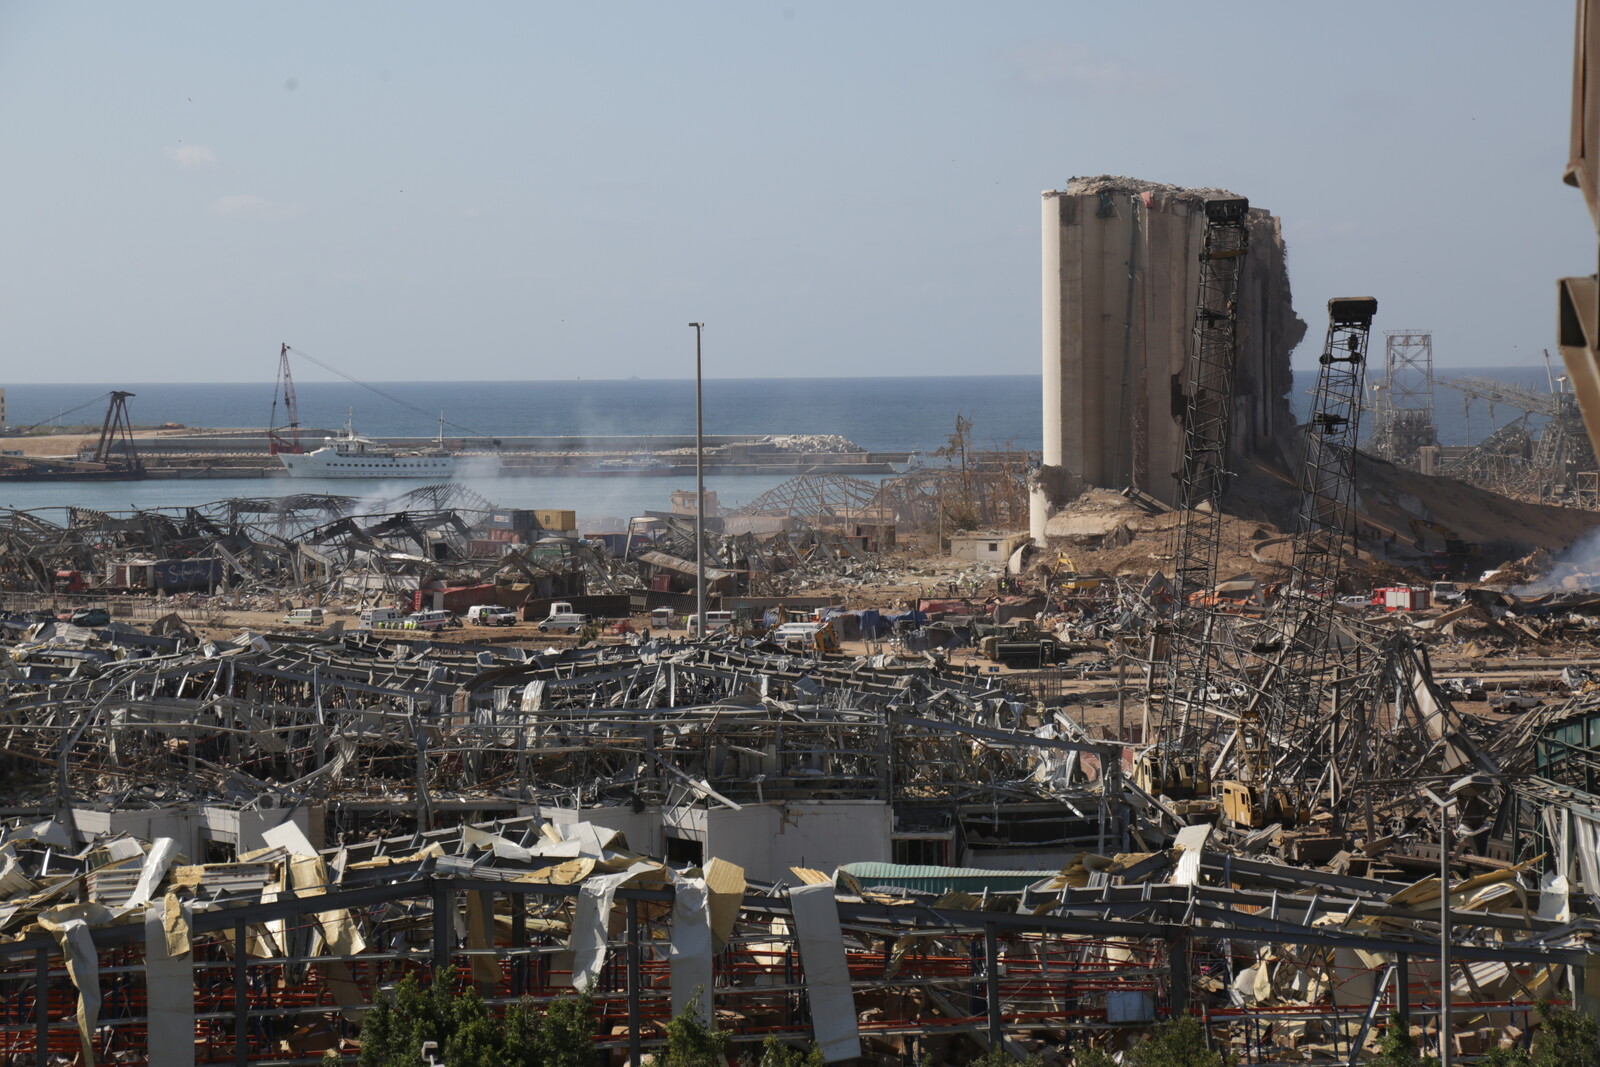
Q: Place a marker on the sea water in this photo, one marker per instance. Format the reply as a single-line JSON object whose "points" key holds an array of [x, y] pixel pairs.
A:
{"points": [[879, 414]]}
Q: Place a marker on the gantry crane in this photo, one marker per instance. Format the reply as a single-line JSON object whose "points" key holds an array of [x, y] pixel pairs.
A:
{"points": [[115, 448]]}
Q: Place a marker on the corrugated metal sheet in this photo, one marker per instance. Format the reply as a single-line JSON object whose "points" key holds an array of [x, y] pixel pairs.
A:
{"points": [[681, 566], [929, 879]]}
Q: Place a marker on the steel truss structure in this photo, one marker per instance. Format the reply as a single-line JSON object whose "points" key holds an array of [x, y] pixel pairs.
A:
{"points": [[1404, 398], [1210, 381], [1522, 466], [272, 979], [1324, 534]]}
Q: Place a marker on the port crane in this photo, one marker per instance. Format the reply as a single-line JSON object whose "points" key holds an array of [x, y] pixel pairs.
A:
{"points": [[286, 438], [115, 447], [288, 441]]}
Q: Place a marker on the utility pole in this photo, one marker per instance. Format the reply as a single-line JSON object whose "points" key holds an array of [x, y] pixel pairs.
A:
{"points": [[699, 493]]}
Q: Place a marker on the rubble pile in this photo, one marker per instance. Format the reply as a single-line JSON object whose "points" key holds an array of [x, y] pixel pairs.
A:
{"points": [[984, 815], [352, 808], [822, 444]]}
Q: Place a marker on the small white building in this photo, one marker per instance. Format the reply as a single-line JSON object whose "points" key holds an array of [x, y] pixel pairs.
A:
{"points": [[983, 546]]}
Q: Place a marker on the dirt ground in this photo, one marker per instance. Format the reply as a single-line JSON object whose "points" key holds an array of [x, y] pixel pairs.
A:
{"points": [[68, 445]]}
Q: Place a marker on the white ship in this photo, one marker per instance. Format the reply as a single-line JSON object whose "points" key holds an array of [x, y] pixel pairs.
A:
{"points": [[349, 455]]}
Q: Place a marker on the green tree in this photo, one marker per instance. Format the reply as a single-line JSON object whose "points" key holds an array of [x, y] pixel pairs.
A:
{"points": [[775, 1053], [999, 1057], [399, 1022], [1180, 1042], [1089, 1056], [1397, 1049], [690, 1043], [562, 1037], [1565, 1038], [479, 1040], [467, 1035]]}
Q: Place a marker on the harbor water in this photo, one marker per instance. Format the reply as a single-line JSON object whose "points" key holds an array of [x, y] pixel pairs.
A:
{"points": [[879, 414]]}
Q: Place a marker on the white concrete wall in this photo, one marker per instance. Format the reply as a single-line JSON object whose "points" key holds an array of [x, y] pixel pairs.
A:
{"points": [[767, 839], [193, 825]]}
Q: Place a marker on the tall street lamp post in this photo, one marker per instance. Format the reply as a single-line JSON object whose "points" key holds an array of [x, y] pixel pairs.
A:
{"points": [[699, 493], [1461, 788]]}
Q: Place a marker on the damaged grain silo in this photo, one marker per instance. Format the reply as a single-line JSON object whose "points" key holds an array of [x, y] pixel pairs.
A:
{"points": [[1120, 278]]}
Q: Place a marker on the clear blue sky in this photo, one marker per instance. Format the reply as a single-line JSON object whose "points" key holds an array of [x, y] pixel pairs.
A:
{"points": [[538, 190]]}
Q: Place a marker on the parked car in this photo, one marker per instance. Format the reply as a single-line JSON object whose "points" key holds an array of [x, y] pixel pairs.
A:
{"points": [[304, 617], [90, 617]]}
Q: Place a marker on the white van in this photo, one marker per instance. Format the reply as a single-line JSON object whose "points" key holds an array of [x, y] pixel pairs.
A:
{"points": [[715, 620], [380, 618], [429, 620], [563, 618], [491, 615], [304, 617]]}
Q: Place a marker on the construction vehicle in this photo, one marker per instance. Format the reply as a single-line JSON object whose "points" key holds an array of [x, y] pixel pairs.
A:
{"points": [[1022, 645], [806, 637], [70, 582], [1455, 558], [1064, 578], [1234, 597], [1249, 805], [1163, 770]]}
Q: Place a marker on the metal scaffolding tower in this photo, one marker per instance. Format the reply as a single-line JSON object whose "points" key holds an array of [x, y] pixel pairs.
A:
{"points": [[1209, 386], [1327, 474], [1403, 398], [1324, 532]]}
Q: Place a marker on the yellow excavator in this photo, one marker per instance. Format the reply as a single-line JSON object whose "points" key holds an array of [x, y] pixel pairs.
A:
{"points": [[1064, 577]]}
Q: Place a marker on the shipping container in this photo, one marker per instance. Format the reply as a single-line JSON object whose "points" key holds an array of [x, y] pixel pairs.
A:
{"points": [[513, 520], [176, 574], [456, 599], [556, 521], [130, 574], [1404, 598]]}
